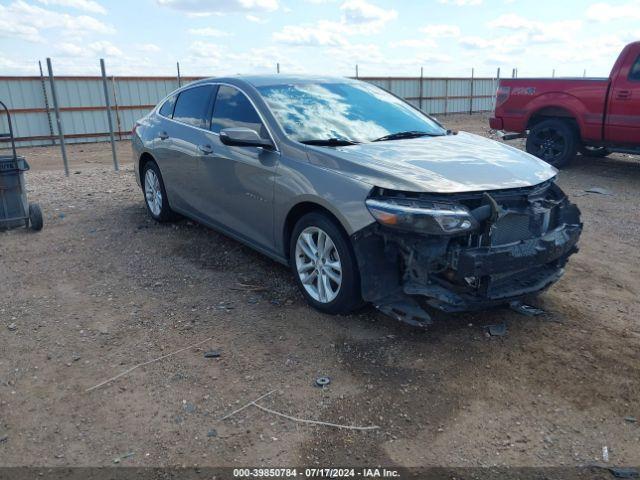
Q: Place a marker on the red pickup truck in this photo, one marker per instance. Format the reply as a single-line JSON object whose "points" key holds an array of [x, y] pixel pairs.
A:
{"points": [[560, 116]]}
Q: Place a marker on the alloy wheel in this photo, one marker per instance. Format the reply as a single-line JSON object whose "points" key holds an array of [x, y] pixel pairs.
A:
{"points": [[153, 192], [318, 264], [549, 145]]}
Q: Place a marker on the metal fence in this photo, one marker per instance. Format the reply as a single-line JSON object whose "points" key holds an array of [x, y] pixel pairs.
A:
{"points": [[82, 105]]}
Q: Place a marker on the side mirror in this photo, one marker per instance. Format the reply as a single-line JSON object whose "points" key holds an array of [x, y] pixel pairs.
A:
{"points": [[243, 137]]}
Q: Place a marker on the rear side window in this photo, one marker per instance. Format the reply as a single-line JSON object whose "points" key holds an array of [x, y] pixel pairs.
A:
{"points": [[634, 74], [192, 106], [233, 109], [166, 110]]}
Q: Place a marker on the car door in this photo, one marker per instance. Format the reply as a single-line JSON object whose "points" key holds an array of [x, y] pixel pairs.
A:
{"points": [[177, 142], [239, 181], [623, 117]]}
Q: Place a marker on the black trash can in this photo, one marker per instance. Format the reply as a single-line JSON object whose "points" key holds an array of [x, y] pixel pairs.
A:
{"points": [[15, 210]]}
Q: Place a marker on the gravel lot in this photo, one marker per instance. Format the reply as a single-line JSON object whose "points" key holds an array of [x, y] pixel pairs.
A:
{"points": [[103, 288]]}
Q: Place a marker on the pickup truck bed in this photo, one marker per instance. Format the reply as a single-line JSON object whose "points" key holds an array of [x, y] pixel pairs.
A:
{"points": [[602, 114]]}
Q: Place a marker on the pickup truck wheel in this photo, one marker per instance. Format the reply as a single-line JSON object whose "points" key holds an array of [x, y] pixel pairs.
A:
{"points": [[598, 152], [555, 141]]}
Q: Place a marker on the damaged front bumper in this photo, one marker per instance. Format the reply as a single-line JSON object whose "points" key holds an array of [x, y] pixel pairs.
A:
{"points": [[520, 249]]}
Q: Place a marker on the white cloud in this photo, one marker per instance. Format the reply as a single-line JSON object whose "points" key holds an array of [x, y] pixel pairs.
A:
{"points": [[324, 34], [210, 58], [256, 19], [149, 48], [539, 32], [208, 32], [365, 15], [209, 7], [25, 21], [461, 3], [358, 17], [90, 50], [85, 5], [415, 43], [605, 12], [441, 30], [601, 47], [17, 66]]}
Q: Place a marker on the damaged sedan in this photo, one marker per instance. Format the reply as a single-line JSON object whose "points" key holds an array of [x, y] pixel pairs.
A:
{"points": [[365, 197]]}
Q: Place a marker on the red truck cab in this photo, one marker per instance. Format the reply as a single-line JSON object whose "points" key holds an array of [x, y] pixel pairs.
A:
{"points": [[560, 116]]}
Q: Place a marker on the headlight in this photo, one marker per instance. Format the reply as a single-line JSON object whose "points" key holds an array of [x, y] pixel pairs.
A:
{"points": [[433, 218]]}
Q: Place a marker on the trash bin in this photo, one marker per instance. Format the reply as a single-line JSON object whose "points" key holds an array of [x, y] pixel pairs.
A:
{"points": [[15, 210]]}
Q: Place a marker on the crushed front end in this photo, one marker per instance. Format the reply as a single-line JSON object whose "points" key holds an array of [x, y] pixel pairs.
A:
{"points": [[467, 251]]}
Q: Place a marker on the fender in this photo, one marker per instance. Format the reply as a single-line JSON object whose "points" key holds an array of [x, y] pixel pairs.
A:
{"points": [[561, 104]]}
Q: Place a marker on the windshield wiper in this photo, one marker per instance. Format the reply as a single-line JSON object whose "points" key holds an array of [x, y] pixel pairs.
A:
{"points": [[330, 142], [407, 134]]}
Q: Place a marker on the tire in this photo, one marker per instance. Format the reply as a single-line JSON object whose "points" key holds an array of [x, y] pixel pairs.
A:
{"points": [[555, 141], [35, 217], [338, 298], [156, 197], [596, 152]]}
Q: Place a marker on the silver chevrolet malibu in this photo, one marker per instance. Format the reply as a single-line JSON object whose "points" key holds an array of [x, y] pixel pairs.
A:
{"points": [[365, 197]]}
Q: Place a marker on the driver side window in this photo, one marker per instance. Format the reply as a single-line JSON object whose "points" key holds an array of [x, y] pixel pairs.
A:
{"points": [[233, 109]]}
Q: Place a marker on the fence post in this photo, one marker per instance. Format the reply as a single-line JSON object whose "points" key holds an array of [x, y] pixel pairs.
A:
{"points": [[421, 88], [495, 89], [471, 96], [179, 77], [46, 103], [54, 97], [107, 103], [115, 105], [446, 95]]}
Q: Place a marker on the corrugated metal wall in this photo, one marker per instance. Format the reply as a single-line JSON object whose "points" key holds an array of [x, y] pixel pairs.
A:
{"points": [[84, 119]]}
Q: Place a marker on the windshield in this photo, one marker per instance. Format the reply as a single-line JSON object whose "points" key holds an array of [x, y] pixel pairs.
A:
{"points": [[348, 112]]}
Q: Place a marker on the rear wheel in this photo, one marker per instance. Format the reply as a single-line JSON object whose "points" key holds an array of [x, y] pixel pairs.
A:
{"points": [[598, 152], [155, 195], [555, 141], [324, 265], [35, 217]]}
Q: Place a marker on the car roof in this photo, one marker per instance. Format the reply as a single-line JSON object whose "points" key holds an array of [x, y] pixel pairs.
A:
{"points": [[278, 79]]}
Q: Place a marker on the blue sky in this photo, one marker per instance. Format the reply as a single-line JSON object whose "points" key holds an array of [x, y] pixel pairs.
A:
{"points": [[389, 38]]}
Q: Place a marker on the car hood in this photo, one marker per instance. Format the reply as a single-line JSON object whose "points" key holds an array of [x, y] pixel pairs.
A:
{"points": [[446, 164]]}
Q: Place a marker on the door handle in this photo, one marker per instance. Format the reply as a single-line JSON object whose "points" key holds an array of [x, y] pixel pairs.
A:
{"points": [[163, 135], [206, 149], [623, 94]]}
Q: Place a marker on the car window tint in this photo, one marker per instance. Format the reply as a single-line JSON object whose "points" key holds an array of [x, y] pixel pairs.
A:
{"points": [[634, 74], [233, 109], [167, 107], [193, 105]]}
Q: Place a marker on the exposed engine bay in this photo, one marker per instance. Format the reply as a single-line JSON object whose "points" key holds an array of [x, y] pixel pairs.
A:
{"points": [[487, 248]]}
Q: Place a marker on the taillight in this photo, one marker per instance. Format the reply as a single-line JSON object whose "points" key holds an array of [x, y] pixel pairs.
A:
{"points": [[133, 130], [502, 94]]}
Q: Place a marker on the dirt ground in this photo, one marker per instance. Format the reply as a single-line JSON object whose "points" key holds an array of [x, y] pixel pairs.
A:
{"points": [[103, 288]]}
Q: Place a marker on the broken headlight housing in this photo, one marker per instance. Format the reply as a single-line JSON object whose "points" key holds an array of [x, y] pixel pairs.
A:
{"points": [[431, 218]]}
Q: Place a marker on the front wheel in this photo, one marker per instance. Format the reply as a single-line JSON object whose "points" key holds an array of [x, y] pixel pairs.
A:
{"points": [[324, 265], [555, 141]]}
